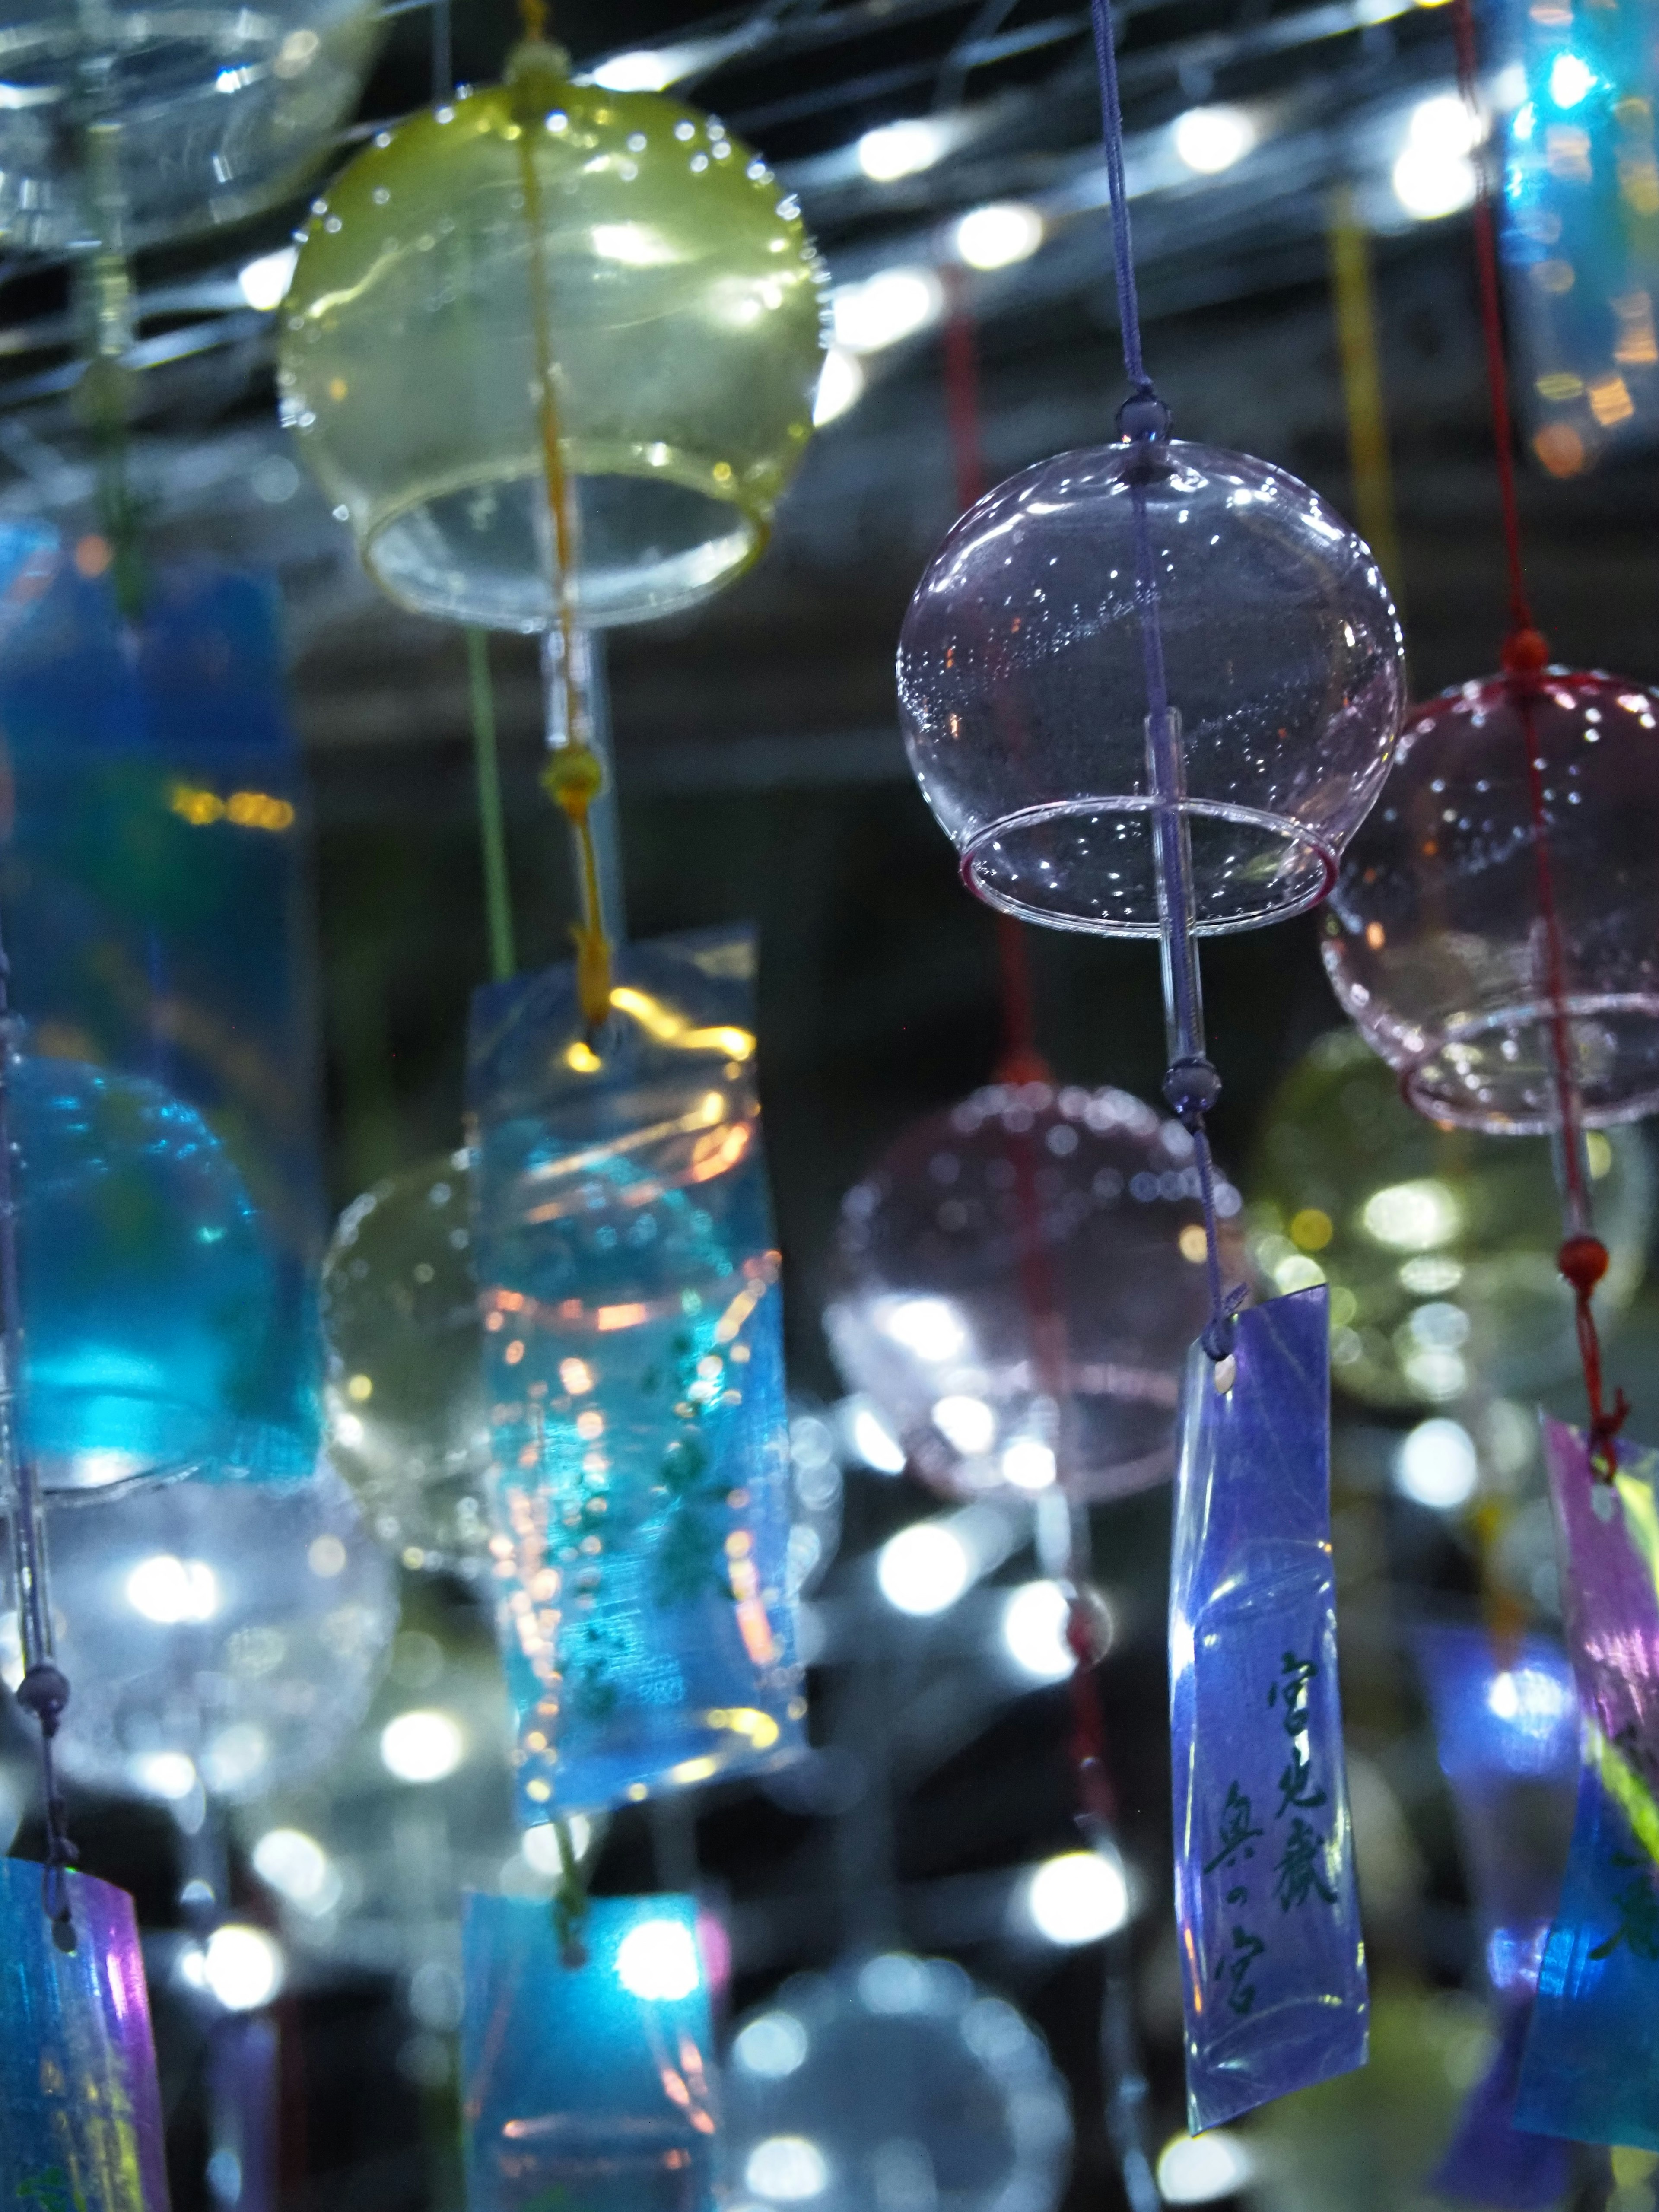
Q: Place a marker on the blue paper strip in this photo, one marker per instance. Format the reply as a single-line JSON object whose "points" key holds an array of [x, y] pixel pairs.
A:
{"points": [[588, 2086], [1506, 1728], [79, 2110], [1273, 1960], [634, 1365]]}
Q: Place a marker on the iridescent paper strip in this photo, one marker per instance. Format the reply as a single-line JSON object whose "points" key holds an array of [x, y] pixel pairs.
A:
{"points": [[589, 2085], [1273, 1964], [79, 2110], [1592, 2070], [628, 1276]]}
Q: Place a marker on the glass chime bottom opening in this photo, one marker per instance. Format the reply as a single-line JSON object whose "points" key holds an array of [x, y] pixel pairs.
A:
{"points": [[475, 551], [1091, 864], [1497, 1072]]}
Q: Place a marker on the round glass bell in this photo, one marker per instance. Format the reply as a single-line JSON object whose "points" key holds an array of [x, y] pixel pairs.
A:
{"points": [[671, 286], [404, 1399], [1437, 940], [1439, 1246], [222, 1638], [1022, 686], [153, 1342], [894, 2080], [1018, 1284], [218, 110]]}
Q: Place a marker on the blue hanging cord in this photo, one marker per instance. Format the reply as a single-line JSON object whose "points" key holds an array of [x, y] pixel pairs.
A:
{"points": [[44, 1690], [1190, 1084]]}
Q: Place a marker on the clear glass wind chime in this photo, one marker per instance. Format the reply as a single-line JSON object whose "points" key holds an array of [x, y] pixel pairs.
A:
{"points": [[1151, 689]]}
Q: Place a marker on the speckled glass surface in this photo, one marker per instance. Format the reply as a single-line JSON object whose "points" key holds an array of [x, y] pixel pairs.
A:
{"points": [[154, 1341], [404, 1394], [1016, 1283], [590, 2085], [1591, 2070], [1438, 1244], [682, 319], [1023, 686], [80, 2108], [629, 1283], [224, 1638], [1273, 1961], [153, 877], [891, 2080], [1434, 938], [1506, 1729], [221, 109]]}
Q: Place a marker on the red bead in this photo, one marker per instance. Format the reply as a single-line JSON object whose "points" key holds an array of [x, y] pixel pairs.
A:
{"points": [[1583, 1261]]}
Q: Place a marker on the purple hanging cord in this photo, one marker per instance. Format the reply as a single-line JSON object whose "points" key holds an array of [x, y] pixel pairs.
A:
{"points": [[44, 1690], [1191, 1084]]}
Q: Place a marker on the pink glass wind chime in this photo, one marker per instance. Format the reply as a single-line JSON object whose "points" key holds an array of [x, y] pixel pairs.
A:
{"points": [[1495, 936]]}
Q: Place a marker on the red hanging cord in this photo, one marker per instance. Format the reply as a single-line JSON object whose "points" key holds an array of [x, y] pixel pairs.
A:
{"points": [[1583, 1257]]}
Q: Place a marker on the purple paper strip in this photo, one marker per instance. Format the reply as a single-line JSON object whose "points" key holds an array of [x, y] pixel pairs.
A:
{"points": [[1273, 1964], [79, 2110], [1592, 2070]]}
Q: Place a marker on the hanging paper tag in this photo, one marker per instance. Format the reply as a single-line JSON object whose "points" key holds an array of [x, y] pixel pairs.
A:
{"points": [[1274, 1965], [79, 2110], [1591, 2070], [587, 2086], [633, 1362], [1506, 1728]]}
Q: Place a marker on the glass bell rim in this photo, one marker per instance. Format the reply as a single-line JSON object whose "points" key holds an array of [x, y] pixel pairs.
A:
{"points": [[1295, 835], [1627, 1104], [370, 521]]}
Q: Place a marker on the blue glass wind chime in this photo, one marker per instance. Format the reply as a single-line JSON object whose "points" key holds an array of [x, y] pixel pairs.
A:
{"points": [[1149, 690]]}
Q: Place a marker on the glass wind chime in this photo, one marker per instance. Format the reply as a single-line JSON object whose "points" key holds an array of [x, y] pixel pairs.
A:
{"points": [[1151, 689], [1495, 936], [620, 317]]}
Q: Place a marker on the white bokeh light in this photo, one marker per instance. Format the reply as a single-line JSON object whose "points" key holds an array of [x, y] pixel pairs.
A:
{"points": [[1034, 1619], [786, 2170], [297, 1868], [639, 70], [871, 1441], [263, 283], [657, 1961], [893, 304], [1208, 140], [422, 1746], [923, 1570], [1078, 1897], [967, 1424], [893, 150], [1435, 174], [1437, 1465], [1198, 2169], [998, 235], [171, 1591], [242, 1967], [773, 2046], [840, 385], [1028, 1464]]}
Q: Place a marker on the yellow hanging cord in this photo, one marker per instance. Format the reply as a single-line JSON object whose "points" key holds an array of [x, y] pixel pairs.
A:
{"points": [[1355, 303], [575, 775]]}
